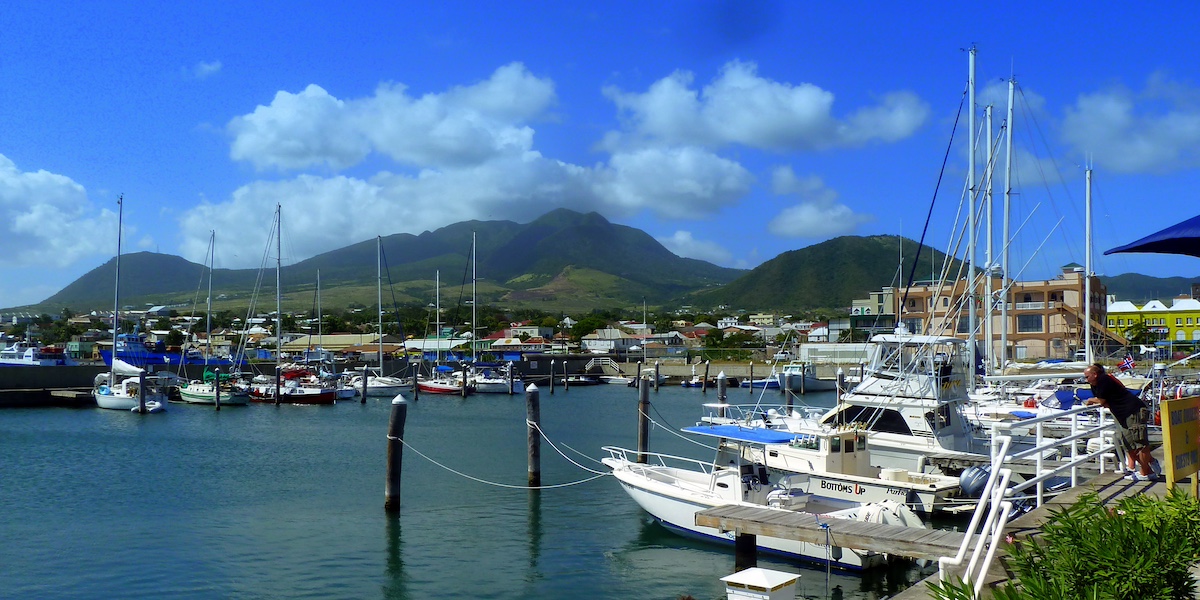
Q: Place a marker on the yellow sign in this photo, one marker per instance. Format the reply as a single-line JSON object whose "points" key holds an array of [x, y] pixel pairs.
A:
{"points": [[1181, 437]]}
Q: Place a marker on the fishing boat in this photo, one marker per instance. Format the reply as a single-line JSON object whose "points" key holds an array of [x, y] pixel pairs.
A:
{"points": [[802, 377], [837, 462], [672, 489]]}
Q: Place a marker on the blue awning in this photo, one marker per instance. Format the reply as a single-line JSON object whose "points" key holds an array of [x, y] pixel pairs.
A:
{"points": [[753, 435]]}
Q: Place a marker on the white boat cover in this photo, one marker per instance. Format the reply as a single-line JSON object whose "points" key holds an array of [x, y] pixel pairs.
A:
{"points": [[124, 369]]}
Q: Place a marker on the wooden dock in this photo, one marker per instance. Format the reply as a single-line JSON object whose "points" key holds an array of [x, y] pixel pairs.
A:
{"points": [[928, 544]]}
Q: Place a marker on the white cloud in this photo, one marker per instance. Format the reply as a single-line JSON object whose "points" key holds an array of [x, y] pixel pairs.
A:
{"points": [[682, 182], [683, 244], [1159, 133], [818, 215], [464, 126], [739, 107], [204, 70], [47, 221]]}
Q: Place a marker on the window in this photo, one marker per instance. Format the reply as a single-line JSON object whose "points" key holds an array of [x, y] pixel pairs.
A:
{"points": [[1178, 321], [1180, 335], [1028, 298], [964, 325], [883, 420], [1110, 322], [945, 301], [1029, 323], [1119, 321], [1189, 320]]}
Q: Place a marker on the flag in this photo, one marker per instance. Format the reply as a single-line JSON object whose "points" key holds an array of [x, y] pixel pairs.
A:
{"points": [[1127, 364]]}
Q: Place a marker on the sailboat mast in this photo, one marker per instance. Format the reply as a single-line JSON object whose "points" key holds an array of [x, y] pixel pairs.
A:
{"points": [[989, 350], [117, 289], [379, 295], [971, 191], [212, 244], [1087, 270], [278, 297], [437, 313], [1008, 161], [474, 300], [320, 334]]}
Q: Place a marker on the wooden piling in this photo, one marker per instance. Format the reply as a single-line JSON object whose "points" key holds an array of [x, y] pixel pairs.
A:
{"points": [[566, 376], [704, 383], [841, 384], [416, 376], [141, 387], [395, 453], [751, 381], [552, 378], [643, 440], [217, 389], [533, 416], [787, 391], [510, 378], [745, 551], [278, 376], [722, 388], [804, 375], [465, 382], [656, 377]]}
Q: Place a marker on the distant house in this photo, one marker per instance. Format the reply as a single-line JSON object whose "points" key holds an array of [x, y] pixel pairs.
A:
{"points": [[608, 340], [727, 322]]}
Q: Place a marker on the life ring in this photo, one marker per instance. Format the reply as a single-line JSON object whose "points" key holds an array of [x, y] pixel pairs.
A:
{"points": [[1030, 403]]}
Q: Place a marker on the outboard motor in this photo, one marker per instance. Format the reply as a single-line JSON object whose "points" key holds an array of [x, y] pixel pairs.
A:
{"points": [[973, 480]]}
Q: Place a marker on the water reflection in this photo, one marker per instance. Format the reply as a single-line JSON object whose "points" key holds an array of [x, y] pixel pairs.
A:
{"points": [[394, 588], [535, 533]]}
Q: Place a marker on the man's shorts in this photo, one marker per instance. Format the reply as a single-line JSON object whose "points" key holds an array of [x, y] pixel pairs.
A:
{"points": [[1133, 435]]}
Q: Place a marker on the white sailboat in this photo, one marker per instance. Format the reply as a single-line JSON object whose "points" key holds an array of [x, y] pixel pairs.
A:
{"points": [[379, 384], [215, 386], [125, 387]]}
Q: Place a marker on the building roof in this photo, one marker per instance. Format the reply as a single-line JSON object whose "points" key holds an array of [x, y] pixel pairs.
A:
{"points": [[1154, 305], [1123, 306], [1185, 304]]}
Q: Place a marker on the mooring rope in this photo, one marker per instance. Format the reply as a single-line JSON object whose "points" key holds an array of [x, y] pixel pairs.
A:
{"points": [[493, 483], [560, 453]]}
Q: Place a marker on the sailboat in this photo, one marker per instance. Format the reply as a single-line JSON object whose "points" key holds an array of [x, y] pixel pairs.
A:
{"points": [[133, 391], [293, 386], [215, 386], [379, 384]]}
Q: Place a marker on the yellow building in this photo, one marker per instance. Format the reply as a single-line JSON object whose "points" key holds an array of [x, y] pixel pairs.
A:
{"points": [[1178, 324]]}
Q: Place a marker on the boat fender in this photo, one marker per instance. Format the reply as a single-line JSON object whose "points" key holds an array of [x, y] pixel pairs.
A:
{"points": [[1030, 403], [103, 390]]}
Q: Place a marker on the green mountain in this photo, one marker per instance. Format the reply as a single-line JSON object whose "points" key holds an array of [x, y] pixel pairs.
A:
{"points": [[826, 275], [1142, 288], [563, 259]]}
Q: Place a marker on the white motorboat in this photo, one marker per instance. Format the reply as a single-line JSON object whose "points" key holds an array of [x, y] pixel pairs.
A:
{"points": [[836, 461], [208, 390], [802, 377], [673, 489], [25, 354]]}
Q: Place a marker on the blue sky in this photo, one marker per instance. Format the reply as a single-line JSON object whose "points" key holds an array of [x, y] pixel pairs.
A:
{"points": [[730, 131]]}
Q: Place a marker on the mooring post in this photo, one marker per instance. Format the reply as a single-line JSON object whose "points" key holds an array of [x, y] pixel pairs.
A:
{"points": [[395, 453], [566, 376], [217, 389], [656, 377], [510, 378], [363, 391], [745, 551], [787, 390], [841, 384], [552, 378], [751, 386], [704, 383], [643, 440], [278, 376], [465, 382], [804, 375], [533, 418], [722, 388], [141, 388], [416, 377]]}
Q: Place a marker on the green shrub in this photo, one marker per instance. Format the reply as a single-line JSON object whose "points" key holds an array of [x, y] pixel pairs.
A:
{"points": [[1140, 550]]}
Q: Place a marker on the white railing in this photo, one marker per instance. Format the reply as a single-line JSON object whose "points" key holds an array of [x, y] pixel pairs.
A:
{"points": [[995, 504]]}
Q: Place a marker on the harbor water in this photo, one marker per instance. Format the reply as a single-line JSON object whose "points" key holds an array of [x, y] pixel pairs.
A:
{"points": [[287, 502]]}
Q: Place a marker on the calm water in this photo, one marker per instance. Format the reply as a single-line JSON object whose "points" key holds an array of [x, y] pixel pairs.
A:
{"points": [[287, 502]]}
